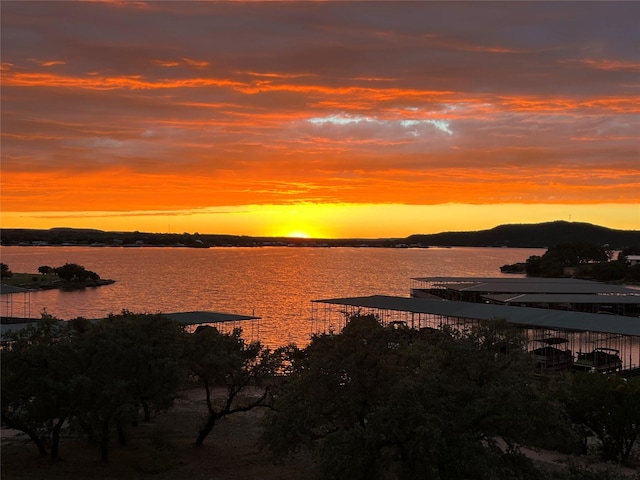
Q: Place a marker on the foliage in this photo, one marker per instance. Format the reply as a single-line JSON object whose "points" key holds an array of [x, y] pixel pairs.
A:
{"points": [[560, 256], [613, 271], [376, 401], [125, 362], [604, 272], [69, 272], [533, 266], [74, 272], [5, 272], [99, 375], [631, 250], [632, 273], [538, 235], [607, 406], [591, 261], [218, 359], [36, 381], [96, 375], [581, 471]]}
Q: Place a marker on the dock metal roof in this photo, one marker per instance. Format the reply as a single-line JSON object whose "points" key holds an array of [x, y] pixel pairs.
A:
{"points": [[185, 318], [5, 328], [502, 279], [565, 298], [10, 290], [200, 317], [525, 316], [526, 285]]}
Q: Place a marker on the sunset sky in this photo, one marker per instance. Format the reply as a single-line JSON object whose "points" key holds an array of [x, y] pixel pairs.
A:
{"points": [[323, 119]]}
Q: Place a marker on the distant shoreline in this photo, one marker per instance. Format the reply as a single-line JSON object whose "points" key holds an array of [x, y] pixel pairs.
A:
{"points": [[294, 243], [541, 235]]}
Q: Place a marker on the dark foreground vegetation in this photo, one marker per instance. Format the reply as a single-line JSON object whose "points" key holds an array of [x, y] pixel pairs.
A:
{"points": [[103, 377], [372, 402], [581, 260], [539, 235], [377, 403]]}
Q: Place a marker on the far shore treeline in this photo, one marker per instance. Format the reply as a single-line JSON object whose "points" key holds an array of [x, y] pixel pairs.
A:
{"points": [[540, 235]]}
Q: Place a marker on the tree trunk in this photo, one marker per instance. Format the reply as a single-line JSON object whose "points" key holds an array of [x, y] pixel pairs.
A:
{"points": [[627, 447], [584, 440], [206, 429], [104, 442], [31, 433], [147, 412], [55, 438], [122, 436]]}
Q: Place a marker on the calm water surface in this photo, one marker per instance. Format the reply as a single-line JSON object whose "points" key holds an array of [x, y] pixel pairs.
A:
{"points": [[274, 283]]}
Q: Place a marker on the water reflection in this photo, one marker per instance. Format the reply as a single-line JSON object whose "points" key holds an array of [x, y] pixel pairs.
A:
{"points": [[275, 283]]}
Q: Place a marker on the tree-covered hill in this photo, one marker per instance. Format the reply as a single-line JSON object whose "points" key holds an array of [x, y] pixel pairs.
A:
{"points": [[539, 235]]}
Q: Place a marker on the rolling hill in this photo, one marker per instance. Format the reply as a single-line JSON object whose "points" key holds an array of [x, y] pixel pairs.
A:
{"points": [[533, 235]]}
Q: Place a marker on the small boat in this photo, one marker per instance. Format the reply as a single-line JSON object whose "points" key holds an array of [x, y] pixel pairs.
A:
{"points": [[602, 360], [550, 357]]}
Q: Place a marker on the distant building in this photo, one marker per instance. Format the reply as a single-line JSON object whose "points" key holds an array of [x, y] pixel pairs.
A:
{"points": [[633, 259]]}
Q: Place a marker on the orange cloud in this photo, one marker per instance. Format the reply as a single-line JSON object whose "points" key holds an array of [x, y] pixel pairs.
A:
{"points": [[607, 64], [229, 103], [131, 82], [48, 63], [121, 189]]}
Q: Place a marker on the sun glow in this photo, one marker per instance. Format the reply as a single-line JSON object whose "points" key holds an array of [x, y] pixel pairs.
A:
{"points": [[298, 234], [324, 221]]}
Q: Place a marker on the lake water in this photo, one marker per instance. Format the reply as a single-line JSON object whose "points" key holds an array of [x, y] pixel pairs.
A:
{"points": [[274, 283]]}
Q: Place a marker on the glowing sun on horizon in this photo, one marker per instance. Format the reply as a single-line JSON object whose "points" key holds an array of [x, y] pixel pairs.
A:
{"points": [[298, 234]]}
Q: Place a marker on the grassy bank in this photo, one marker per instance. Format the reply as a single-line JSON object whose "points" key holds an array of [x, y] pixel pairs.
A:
{"points": [[32, 280], [37, 281]]}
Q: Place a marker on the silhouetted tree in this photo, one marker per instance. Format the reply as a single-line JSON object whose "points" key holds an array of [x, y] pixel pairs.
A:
{"points": [[225, 360], [607, 406], [374, 402], [122, 363], [558, 257], [73, 272], [4, 271], [37, 375], [96, 375]]}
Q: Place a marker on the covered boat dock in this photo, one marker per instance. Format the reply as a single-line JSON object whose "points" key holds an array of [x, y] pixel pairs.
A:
{"points": [[15, 304], [224, 322], [625, 305], [553, 293], [585, 333]]}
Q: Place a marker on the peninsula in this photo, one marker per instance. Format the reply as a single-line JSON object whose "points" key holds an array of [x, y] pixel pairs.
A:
{"points": [[69, 276]]}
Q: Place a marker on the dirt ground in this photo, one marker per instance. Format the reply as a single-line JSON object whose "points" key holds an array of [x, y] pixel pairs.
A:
{"points": [[162, 449]]}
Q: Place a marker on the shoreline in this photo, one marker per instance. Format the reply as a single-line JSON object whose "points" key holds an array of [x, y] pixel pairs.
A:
{"points": [[41, 282]]}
